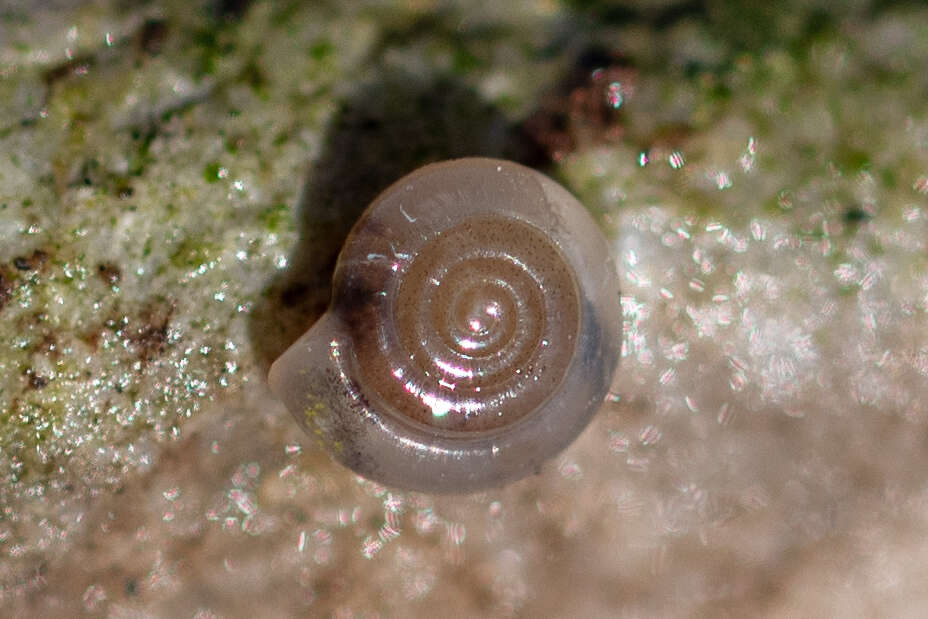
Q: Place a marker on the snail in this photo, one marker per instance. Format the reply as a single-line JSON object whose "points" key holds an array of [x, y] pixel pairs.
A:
{"points": [[473, 332]]}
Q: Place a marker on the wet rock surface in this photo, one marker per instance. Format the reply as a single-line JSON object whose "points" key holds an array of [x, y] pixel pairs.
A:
{"points": [[176, 178]]}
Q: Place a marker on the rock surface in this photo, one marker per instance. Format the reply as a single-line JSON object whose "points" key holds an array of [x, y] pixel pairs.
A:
{"points": [[176, 179]]}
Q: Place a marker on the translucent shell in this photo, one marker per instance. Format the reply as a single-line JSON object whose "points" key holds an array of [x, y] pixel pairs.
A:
{"points": [[473, 332]]}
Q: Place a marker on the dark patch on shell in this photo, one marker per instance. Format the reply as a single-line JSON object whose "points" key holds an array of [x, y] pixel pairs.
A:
{"points": [[345, 429]]}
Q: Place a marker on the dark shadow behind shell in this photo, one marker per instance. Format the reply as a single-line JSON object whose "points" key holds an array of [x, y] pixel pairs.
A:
{"points": [[370, 142], [321, 378]]}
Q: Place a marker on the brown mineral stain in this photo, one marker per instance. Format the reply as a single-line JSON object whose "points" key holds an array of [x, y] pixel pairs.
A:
{"points": [[49, 345], [151, 36], [32, 262], [585, 108], [151, 335], [109, 273], [77, 65], [92, 340], [5, 289], [37, 382]]}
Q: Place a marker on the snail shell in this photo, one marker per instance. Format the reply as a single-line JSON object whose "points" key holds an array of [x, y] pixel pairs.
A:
{"points": [[473, 332]]}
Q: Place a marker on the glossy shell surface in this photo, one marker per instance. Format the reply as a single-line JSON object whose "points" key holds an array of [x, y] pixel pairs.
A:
{"points": [[474, 330]]}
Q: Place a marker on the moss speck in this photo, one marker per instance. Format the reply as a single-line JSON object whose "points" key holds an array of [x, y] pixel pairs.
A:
{"points": [[211, 172]]}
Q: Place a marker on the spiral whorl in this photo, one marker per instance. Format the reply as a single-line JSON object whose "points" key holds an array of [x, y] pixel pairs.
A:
{"points": [[475, 333]]}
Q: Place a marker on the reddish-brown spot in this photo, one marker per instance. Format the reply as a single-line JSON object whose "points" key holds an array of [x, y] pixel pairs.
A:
{"points": [[109, 273], [77, 65], [151, 36], [6, 288], [92, 339], [32, 262], [151, 334], [583, 111], [49, 345], [35, 381]]}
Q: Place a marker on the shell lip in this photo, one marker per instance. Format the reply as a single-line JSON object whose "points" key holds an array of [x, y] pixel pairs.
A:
{"points": [[386, 447]]}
